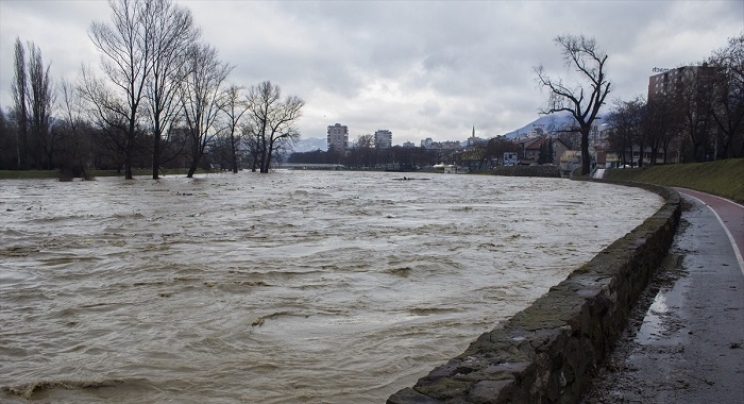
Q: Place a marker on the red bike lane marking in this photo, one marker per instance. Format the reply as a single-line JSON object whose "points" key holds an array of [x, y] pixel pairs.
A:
{"points": [[731, 216]]}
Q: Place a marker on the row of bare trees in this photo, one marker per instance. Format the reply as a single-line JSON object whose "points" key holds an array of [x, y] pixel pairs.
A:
{"points": [[646, 129], [163, 99], [698, 117], [33, 98]]}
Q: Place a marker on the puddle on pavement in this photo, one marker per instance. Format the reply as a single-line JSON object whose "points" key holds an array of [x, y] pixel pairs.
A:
{"points": [[661, 324]]}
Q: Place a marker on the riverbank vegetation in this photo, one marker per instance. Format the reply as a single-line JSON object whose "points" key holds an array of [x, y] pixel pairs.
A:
{"points": [[161, 100], [693, 113]]}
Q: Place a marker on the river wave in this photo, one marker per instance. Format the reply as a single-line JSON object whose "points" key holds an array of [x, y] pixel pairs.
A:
{"points": [[313, 287]]}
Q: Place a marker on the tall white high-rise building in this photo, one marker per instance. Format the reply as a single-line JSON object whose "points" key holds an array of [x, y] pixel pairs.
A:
{"points": [[338, 137], [383, 139]]}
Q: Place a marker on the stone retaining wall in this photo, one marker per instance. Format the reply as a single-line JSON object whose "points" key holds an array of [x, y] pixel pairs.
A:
{"points": [[548, 352]]}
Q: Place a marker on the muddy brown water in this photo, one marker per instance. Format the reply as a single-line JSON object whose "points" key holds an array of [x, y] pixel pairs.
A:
{"points": [[317, 287]]}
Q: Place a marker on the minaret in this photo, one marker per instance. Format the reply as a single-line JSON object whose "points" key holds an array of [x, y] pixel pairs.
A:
{"points": [[473, 130]]}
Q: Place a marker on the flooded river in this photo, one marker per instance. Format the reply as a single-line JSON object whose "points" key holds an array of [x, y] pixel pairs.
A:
{"points": [[315, 287]]}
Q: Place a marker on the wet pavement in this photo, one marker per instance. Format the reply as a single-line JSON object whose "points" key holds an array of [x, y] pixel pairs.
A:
{"points": [[685, 339]]}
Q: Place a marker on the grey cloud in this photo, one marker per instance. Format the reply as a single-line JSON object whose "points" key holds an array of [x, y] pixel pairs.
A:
{"points": [[418, 68], [430, 108]]}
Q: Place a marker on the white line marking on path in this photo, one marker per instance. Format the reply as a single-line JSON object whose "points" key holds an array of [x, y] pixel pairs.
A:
{"points": [[737, 253]]}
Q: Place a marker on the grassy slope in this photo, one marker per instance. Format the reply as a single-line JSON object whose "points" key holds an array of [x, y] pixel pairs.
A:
{"points": [[723, 177], [27, 174]]}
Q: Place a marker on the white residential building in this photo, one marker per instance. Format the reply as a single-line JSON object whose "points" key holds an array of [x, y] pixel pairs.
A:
{"points": [[383, 139], [338, 137]]}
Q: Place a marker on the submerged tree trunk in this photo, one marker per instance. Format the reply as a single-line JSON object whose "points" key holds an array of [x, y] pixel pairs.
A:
{"points": [[156, 155], [192, 170], [128, 157], [195, 157]]}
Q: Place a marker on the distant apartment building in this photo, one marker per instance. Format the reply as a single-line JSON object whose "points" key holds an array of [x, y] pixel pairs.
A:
{"points": [[669, 81], [383, 139], [338, 137], [690, 88]]}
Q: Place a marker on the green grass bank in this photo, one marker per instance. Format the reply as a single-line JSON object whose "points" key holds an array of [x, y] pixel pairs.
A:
{"points": [[723, 177]]}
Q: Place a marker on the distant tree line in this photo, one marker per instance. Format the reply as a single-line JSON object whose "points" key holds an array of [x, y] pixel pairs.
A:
{"points": [[698, 117], [363, 155], [369, 157], [163, 101]]}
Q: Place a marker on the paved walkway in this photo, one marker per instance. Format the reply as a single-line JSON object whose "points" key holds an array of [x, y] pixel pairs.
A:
{"points": [[685, 340], [730, 214]]}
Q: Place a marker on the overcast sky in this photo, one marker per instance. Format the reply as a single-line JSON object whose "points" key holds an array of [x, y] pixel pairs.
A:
{"points": [[420, 69]]}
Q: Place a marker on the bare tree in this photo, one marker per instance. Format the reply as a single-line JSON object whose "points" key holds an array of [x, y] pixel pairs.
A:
{"points": [[582, 101], [41, 100], [202, 98], [362, 152], [335, 156], [33, 98], [728, 102], [126, 60], [8, 149], [661, 124], [76, 132], [627, 128], [272, 119], [695, 102], [365, 142], [171, 31], [234, 108], [249, 140], [109, 113], [20, 95]]}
